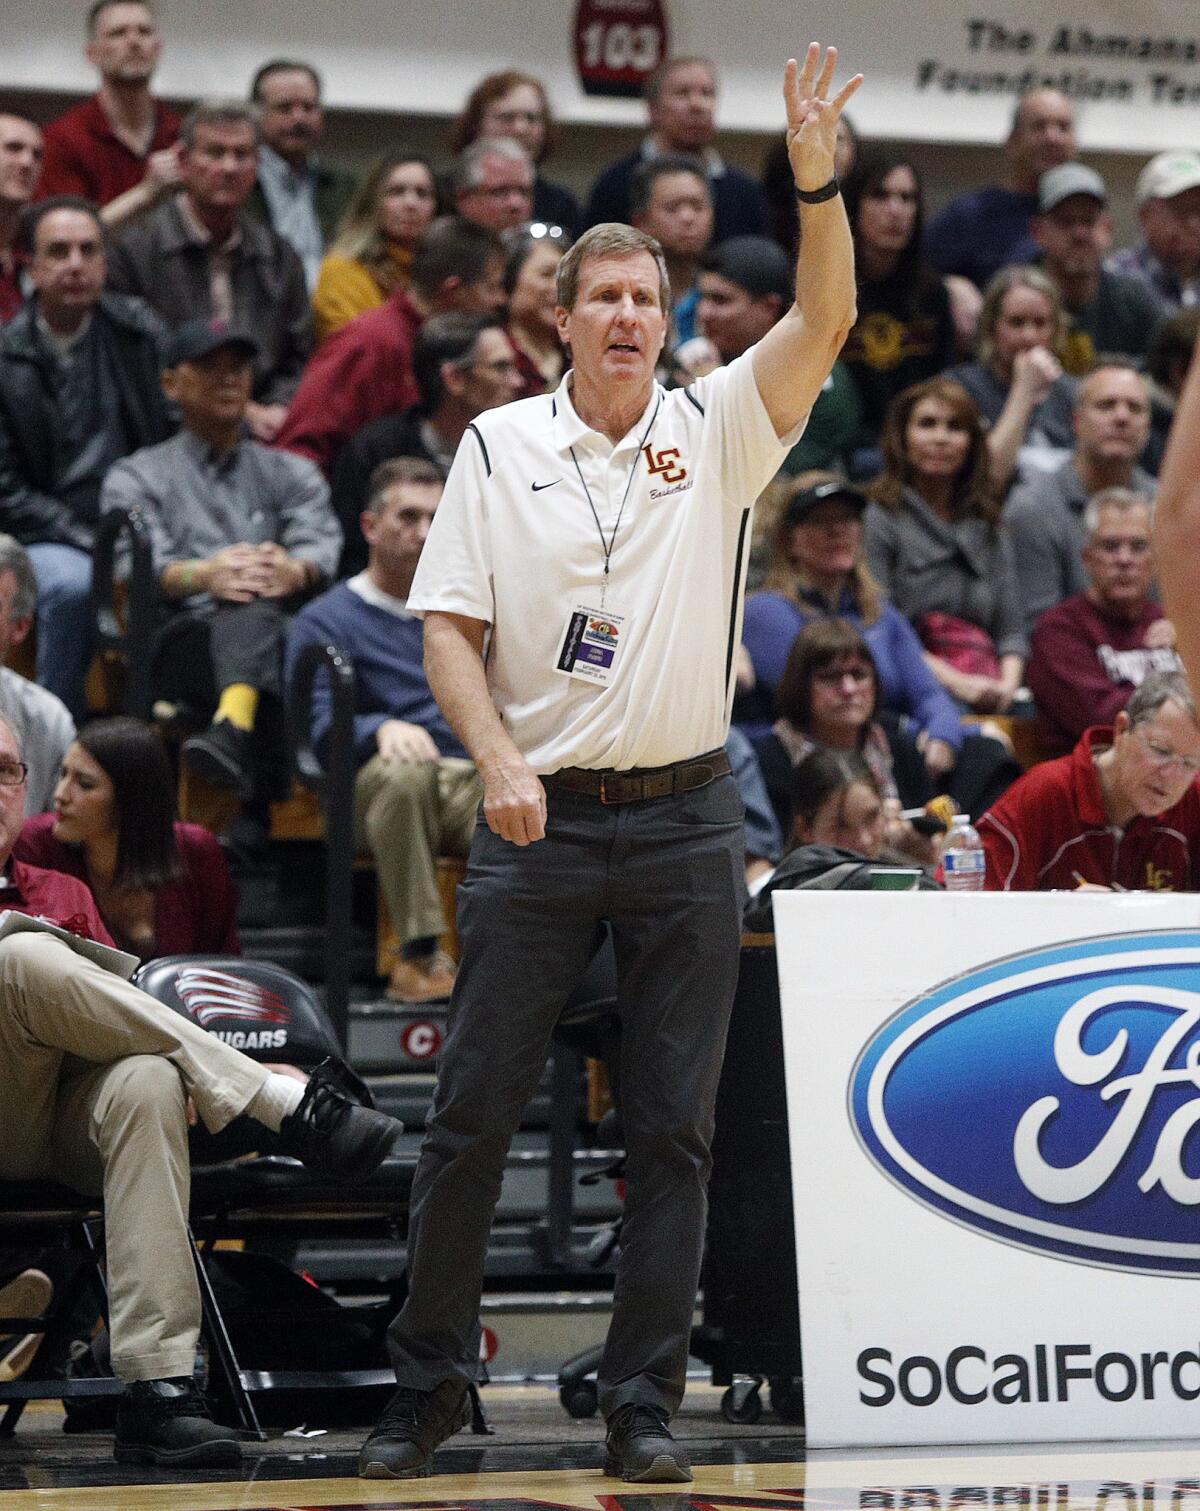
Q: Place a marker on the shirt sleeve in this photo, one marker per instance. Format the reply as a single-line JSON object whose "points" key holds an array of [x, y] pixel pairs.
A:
{"points": [[1011, 863], [125, 487], [928, 702], [454, 575], [742, 451], [309, 528]]}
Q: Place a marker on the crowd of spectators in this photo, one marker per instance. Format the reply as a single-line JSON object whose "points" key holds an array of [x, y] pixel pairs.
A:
{"points": [[271, 361]]}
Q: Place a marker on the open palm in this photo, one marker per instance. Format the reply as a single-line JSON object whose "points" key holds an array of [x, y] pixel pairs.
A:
{"points": [[812, 116]]}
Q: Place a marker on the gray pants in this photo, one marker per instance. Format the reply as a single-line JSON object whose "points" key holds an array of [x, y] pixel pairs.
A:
{"points": [[668, 875]]}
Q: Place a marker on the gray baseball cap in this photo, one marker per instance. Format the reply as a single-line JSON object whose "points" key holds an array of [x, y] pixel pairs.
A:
{"points": [[1066, 180]]}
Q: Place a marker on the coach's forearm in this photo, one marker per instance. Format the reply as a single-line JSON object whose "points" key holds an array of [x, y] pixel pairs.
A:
{"points": [[454, 667], [825, 288]]}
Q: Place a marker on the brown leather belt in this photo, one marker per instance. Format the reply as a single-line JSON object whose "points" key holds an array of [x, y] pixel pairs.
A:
{"points": [[636, 785]]}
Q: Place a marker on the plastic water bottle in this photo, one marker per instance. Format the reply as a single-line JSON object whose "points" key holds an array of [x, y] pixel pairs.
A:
{"points": [[964, 861]]}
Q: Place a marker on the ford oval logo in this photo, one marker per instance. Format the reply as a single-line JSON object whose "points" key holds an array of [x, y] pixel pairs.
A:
{"points": [[1051, 1100]]}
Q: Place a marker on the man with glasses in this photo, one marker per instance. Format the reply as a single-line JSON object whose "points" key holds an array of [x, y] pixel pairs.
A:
{"points": [[1092, 650], [1120, 813], [493, 184]]}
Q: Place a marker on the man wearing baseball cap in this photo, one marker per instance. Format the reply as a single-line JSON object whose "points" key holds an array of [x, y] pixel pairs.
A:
{"points": [[1167, 197], [1110, 314], [240, 534]]}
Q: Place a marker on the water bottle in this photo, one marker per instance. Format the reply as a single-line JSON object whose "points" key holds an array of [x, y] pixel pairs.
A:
{"points": [[964, 862]]}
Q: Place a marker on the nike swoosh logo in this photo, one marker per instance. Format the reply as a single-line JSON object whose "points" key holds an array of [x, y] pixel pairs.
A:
{"points": [[537, 487]]}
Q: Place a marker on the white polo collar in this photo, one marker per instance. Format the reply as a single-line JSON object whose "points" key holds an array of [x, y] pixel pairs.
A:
{"points": [[569, 429]]}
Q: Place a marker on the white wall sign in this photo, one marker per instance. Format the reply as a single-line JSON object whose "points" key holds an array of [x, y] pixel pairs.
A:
{"points": [[993, 1104], [945, 71]]}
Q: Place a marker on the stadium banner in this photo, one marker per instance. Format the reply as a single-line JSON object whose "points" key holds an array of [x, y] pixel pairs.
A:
{"points": [[948, 70], [993, 1107]]}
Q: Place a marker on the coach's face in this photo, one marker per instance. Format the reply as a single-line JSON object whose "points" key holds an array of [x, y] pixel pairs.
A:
{"points": [[617, 327]]}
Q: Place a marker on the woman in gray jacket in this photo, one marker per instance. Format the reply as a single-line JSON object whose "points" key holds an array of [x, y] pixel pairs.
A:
{"points": [[934, 543]]}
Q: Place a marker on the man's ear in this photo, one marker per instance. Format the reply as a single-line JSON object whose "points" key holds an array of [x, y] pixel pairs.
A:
{"points": [[453, 382], [170, 383], [367, 521], [1122, 724], [19, 629]]}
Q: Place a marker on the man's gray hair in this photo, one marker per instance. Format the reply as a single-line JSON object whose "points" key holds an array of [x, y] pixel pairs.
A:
{"points": [[469, 170], [1120, 499], [1158, 688], [15, 559], [220, 113], [609, 239]]}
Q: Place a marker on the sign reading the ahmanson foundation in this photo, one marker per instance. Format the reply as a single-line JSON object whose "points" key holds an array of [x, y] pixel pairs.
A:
{"points": [[995, 1125]]}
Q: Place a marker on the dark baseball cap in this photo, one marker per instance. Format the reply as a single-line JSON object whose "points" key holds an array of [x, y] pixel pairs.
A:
{"points": [[754, 263], [800, 507], [198, 338]]}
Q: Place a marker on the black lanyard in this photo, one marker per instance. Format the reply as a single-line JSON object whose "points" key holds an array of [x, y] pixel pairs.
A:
{"points": [[607, 545]]}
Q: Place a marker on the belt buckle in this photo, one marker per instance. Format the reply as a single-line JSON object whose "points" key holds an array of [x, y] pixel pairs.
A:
{"points": [[604, 797]]}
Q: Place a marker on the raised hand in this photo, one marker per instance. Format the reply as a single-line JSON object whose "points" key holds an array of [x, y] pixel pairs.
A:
{"points": [[812, 116]]}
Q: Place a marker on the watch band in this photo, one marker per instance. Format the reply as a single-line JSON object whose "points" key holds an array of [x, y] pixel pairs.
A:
{"points": [[818, 196]]}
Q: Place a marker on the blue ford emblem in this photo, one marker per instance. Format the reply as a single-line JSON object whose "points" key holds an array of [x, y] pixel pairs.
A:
{"points": [[1051, 1100]]}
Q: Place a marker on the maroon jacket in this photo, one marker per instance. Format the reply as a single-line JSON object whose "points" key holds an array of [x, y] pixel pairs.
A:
{"points": [[196, 915], [358, 373], [50, 894], [1084, 665], [1049, 831], [84, 157]]}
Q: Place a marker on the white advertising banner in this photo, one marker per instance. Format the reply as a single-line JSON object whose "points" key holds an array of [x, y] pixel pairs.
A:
{"points": [[993, 1106], [945, 71]]}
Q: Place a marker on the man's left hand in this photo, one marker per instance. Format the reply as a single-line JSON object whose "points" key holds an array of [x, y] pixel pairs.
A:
{"points": [[285, 574], [812, 117]]}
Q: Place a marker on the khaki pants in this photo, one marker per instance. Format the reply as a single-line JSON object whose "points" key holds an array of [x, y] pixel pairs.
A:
{"points": [[407, 813], [94, 1075]]}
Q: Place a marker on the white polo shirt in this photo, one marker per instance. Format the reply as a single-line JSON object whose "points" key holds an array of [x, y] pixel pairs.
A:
{"points": [[515, 544]]}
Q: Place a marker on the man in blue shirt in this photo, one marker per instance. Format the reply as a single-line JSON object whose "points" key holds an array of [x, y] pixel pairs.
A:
{"points": [[981, 231], [416, 794]]}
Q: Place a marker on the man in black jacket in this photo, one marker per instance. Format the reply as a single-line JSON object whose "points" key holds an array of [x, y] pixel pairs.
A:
{"points": [[202, 256], [463, 364], [79, 388]]}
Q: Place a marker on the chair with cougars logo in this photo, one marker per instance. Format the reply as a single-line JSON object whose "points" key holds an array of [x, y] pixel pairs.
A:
{"points": [[241, 1188]]}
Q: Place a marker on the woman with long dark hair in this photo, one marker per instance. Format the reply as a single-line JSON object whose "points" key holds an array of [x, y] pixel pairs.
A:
{"points": [[373, 249], [905, 329], [162, 887], [934, 545]]}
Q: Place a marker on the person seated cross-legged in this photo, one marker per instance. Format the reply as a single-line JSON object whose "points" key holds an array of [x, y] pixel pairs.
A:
{"points": [[95, 1076]]}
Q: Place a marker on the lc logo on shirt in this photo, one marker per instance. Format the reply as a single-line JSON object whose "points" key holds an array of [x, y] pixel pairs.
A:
{"points": [[665, 463]]}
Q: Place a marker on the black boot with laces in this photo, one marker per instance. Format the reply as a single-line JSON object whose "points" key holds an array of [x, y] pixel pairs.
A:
{"points": [[413, 1423], [334, 1135], [640, 1447], [167, 1422]]}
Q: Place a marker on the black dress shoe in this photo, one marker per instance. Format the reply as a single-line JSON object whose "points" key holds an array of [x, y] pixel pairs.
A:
{"points": [[334, 1135], [413, 1423], [167, 1422], [221, 756], [640, 1447]]}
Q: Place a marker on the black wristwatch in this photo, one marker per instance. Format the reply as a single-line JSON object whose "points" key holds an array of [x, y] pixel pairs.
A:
{"points": [[818, 196]]}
